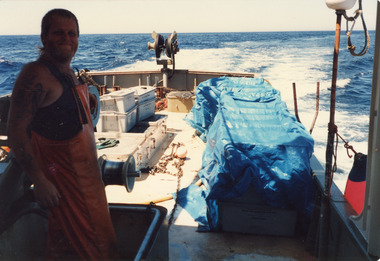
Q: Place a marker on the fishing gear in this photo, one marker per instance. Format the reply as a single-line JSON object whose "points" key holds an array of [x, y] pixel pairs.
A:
{"points": [[162, 47], [341, 6], [346, 145], [350, 46]]}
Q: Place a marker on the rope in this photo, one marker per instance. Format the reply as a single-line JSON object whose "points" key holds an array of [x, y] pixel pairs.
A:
{"points": [[347, 146], [333, 129], [85, 78]]}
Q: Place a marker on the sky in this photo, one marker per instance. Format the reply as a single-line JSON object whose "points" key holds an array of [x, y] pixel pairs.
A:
{"points": [[143, 16]]}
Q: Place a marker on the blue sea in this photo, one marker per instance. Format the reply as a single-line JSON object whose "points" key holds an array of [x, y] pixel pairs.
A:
{"points": [[283, 58]]}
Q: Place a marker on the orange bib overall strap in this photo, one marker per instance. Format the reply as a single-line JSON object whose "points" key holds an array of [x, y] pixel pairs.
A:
{"points": [[82, 215]]}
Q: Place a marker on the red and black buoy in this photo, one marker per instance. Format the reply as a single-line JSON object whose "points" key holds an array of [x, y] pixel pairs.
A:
{"points": [[356, 182]]}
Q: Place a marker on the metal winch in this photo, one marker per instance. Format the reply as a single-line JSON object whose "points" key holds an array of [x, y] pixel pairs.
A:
{"points": [[162, 47], [119, 172]]}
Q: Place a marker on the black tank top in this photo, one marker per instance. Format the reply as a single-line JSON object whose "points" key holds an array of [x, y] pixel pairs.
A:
{"points": [[59, 120]]}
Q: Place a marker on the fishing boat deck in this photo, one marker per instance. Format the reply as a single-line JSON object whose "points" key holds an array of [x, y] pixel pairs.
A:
{"points": [[185, 243]]}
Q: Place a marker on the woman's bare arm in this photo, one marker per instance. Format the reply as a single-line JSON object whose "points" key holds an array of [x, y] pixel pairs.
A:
{"points": [[27, 96]]}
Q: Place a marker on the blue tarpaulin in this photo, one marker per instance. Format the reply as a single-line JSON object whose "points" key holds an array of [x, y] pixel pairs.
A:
{"points": [[252, 139]]}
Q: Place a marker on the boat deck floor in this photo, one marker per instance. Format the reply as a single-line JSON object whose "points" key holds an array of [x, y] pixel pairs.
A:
{"points": [[185, 243]]}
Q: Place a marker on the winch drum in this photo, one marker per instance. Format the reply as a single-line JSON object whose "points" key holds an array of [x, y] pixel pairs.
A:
{"points": [[119, 172]]}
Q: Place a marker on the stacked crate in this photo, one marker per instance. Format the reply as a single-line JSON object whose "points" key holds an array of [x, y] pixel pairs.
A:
{"points": [[118, 111], [121, 110], [145, 100]]}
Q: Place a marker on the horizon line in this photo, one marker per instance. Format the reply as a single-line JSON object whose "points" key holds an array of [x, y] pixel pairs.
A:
{"points": [[214, 32]]}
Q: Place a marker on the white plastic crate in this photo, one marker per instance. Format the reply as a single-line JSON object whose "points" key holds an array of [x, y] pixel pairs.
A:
{"points": [[143, 93], [117, 121], [119, 101], [146, 109]]}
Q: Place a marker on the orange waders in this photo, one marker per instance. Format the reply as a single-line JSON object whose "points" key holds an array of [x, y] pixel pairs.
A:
{"points": [[80, 226]]}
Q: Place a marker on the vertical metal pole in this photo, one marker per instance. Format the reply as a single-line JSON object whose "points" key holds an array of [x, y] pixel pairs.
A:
{"points": [[331, 127], [295, 102], [324, 218], [316, 109], [165, 76]]}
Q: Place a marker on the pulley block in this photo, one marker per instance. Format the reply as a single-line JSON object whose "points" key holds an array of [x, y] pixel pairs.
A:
{"points": [[162, 47], [159, 44]]}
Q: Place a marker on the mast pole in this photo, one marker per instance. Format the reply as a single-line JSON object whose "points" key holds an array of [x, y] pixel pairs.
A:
{"points": [[324, 218]]}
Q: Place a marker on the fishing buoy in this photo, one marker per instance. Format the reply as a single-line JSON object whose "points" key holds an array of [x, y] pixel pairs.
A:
{"points": [[355, 186], [181, 152]]}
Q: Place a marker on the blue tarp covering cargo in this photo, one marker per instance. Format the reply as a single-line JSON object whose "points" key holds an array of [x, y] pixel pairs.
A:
{"points": [[252, 139]]}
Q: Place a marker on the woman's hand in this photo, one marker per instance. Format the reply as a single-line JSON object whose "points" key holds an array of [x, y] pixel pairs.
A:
{"points": [[46, 194]]}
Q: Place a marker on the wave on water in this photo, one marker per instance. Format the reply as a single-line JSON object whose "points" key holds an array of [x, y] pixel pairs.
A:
{"points": [[283, 58]]}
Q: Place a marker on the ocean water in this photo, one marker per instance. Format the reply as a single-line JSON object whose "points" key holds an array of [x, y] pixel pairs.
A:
{"points": [[283, 58]]}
